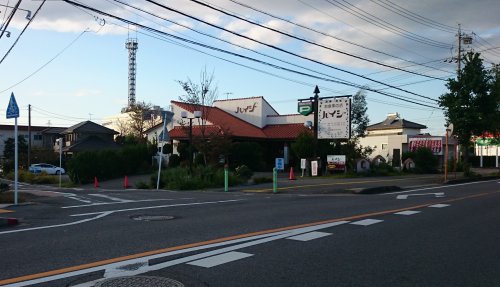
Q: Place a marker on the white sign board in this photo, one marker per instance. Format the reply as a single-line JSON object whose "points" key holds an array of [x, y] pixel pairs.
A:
{"points": [[334, 118], [336, 162], [280, 163], [314, 168], [302, 163]]}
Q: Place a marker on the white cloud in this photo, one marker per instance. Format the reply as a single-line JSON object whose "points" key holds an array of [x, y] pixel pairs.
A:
{"points": [[86, 93]]}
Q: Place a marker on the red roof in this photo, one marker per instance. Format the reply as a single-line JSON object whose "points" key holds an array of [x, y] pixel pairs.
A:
{"points": [[223, 121]]}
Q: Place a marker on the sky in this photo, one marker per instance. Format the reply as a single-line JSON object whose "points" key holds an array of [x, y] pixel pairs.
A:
{"points": [[71, 65]]}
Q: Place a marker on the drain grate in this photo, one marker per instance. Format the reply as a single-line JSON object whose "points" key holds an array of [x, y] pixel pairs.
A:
{"points": [[139, 281], [145, 217]]}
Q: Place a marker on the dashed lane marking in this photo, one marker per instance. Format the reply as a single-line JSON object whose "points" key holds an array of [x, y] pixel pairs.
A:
{"points": [[366, 222], [309, 236], [220, 259], [407, 212], [439, 205]]}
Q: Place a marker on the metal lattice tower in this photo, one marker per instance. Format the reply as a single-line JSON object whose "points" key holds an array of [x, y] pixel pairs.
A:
{"points": [[131, 46]]}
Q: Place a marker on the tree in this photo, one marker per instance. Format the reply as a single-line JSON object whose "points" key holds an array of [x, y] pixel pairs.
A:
{"points": [[359, 118], [142, 117], [303, 147], [203, 95], [470, 103]]}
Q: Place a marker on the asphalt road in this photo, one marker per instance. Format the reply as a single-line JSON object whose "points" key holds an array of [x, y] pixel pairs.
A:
{"points": [[431, 236]]}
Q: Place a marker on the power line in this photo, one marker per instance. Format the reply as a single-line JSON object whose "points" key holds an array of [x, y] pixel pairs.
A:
{"points": [[377, 21], [281, 49], [328, 35], [296, 38], [235, 54]]}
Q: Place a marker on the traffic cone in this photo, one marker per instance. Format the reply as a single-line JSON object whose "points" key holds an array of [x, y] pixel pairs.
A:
{"points": [[292, 176], [125, 182], [96, 183]]}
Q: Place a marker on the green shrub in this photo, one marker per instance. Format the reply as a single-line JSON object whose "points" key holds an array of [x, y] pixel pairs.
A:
{"points": [[425, 160], [4, 187], [142, 185], [202, 177], [244, 172], [107, 164], [174, 160]]}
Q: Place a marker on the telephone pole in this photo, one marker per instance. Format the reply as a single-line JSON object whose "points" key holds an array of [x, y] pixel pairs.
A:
{"points": [[462, 39]]}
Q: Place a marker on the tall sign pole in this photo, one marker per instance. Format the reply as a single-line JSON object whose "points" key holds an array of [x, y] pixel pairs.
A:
{"points": [[315, 107], [13, 112]]}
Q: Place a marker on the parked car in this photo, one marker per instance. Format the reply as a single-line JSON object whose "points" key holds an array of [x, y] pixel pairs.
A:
{"points": [[47, 168]]}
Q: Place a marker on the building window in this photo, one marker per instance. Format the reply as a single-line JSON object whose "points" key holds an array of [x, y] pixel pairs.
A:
{"points": [[384, 146], [37, 137]]}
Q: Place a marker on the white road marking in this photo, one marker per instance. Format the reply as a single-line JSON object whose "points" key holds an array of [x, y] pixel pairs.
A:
{"points": [[407, 212], [366, 222], [110, 197], [437, 187], [309, 236], [130, 201], [220, 259], [114, 270], [58, 225], [160, 206], [78, 199], [405, 196], [439, 205]]}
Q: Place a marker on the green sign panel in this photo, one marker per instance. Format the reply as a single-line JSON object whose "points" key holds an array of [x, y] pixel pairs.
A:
{"points": [[305, 108]]}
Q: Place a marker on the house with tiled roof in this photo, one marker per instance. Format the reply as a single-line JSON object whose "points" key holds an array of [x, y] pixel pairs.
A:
{"points": [[86, 136], [389, 138], [246, 119]]}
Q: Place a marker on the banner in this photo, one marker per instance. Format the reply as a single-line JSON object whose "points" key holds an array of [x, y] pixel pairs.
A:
{"points": [[334, 118], [336, 162], [433, 143]]}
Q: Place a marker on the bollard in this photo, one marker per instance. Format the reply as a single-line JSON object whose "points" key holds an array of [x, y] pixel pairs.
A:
{"points": [[275, 180], [226, 178]]}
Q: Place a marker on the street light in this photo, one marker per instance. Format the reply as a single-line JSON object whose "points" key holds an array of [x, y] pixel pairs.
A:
{"points": [[197, 115]]}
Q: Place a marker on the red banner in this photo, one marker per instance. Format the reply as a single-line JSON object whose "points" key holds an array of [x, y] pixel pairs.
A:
{"points": [[434, 143]]}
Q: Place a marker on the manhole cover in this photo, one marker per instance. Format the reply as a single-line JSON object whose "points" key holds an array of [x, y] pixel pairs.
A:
{"points": [[152, 217], [139, 281]]}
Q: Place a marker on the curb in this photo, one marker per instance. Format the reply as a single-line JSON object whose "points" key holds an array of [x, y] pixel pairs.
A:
{"points": [[8, 221]]}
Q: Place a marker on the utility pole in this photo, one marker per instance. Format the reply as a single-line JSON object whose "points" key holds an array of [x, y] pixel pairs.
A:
{"points": [[29, 135], [462, 39]]}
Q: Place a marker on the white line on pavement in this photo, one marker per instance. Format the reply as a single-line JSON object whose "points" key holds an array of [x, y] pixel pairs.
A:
{"points": [[58, 225], [436, 187], [309, 236], [129, 201], [110, 197], [405, 196], [366, 222], [160, 206], [78, 199], [407, 212], [220, 259], [439, 205]]}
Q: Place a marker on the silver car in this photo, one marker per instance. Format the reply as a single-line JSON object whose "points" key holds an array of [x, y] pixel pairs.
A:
{"points": [[47, 168]]}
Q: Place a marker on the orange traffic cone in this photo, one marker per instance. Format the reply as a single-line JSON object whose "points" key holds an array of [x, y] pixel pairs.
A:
{"points": [[292, 176], [96, 183], [125, 182]]}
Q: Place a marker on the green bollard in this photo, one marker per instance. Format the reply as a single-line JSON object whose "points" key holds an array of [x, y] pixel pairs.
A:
{"points": [[226, 178], [275, 180]]}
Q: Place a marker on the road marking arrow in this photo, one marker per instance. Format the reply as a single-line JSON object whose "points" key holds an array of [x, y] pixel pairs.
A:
{"points": [[405, 196]]}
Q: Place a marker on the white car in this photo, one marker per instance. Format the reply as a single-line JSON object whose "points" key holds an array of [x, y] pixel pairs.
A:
{"points": [[47, 168]]}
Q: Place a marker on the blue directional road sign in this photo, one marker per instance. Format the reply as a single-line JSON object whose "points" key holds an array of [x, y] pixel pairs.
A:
{"points": [[12, 108]]}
